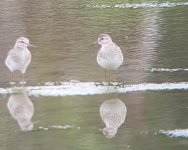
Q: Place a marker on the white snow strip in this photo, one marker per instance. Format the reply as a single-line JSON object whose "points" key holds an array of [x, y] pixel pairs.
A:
{"points": [[92, 88], [140, 5], [175, 133]]}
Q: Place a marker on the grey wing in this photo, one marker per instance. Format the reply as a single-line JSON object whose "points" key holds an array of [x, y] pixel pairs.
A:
{"points": [[11, 58], [27, 58], [117, 52], [120, 54]]}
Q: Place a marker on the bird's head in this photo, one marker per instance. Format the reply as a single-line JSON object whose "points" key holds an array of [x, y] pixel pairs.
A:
{"points": [[109, 132], [104, 39], [23, 42], [25, 124]]}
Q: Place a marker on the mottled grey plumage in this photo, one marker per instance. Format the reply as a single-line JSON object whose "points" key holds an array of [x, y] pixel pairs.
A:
{"points": [[19, 57], [113, 113], [21, 109], [109, 56]]}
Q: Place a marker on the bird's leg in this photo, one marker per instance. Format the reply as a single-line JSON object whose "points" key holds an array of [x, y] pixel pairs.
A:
{"points": [[105, 76], [11, 81], [115, 76], [11, 77], [116, 84], [23, 79]]}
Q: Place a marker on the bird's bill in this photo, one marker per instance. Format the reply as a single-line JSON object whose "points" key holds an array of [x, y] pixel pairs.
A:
{"points": [[93, 43], [31, 45], [35, 122]]}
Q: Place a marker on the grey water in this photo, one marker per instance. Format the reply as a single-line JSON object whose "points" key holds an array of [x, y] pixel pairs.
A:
{"points": [[154, 43]]}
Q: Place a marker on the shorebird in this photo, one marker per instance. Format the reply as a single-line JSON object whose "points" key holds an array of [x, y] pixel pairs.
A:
{"points": [[21, 109], [109, 56], [19, 57], [113, 113]]}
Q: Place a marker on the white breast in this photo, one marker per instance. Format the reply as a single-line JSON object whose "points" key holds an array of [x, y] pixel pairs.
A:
{"points": [[113, 113], [21, 109], [18, 60], [110, 57]]}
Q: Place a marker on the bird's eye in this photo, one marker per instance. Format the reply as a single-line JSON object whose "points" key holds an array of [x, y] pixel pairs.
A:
{"points": [[102, 38], [22, 41]]}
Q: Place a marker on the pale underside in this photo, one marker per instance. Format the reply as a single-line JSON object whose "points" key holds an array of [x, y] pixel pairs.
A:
{"points": [[21, 109], [110, 57], [113, 113], [18, 59]]}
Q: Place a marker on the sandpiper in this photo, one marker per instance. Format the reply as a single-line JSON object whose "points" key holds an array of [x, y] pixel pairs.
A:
{"points": [[19, 57], [21, 109], [109, 56], [113, 113]]}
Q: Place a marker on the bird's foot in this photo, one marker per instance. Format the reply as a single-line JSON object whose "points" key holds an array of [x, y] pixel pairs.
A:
{"points": [[22, 83], [105, 83], [12, 83]]}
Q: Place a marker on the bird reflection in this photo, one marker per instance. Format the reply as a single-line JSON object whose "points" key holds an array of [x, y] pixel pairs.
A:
{"points": [[113, 113], [21, 109]]}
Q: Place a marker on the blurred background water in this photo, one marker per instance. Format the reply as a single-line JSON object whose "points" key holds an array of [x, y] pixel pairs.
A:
{"points": [[153, 38]]}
